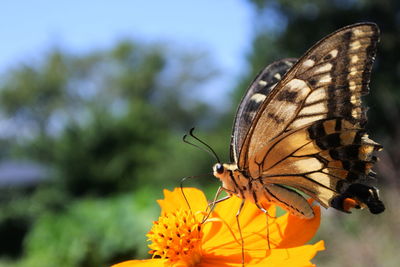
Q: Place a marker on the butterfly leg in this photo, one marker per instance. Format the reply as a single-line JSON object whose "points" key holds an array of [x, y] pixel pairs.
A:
{"points": [[266, 216], [240, 230], [220, 189], [212, 204], [215, 200]]}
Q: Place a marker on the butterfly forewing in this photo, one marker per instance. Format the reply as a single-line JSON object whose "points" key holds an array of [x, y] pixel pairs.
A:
{"points": [[265, 81], [327, 82]]}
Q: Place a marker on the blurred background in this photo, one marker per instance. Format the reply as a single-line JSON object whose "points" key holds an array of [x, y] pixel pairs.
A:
{"points": [[95, 98]]}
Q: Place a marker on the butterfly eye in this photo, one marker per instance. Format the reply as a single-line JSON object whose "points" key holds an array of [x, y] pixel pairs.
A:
{"points": [[219, 168]]}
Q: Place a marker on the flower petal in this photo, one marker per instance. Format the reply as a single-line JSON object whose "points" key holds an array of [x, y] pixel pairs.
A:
{"points": [[222, 243], [224, 257], [284, 232], [175, 200], [298, 256], [229, 208], [252, 225], [291, 231], [144, 263]]}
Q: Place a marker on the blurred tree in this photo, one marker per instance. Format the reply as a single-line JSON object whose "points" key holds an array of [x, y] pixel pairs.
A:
{"points": [[31, 95], [104, 123], [101, 120]]}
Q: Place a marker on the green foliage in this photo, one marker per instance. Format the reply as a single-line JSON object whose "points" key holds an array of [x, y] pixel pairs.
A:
{"points": [[106, 155], [32, 95], [108, 118], [92, 232], [108, 126]]}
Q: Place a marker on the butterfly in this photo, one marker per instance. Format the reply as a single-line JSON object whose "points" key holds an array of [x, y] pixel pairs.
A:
{"points": [[299, 130]]}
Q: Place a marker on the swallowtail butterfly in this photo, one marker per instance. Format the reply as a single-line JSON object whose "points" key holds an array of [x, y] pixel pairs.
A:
{"points": [[299, 130]]}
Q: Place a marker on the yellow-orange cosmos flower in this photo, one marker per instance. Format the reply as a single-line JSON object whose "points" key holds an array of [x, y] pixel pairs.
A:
{"points": [[180, 238]]}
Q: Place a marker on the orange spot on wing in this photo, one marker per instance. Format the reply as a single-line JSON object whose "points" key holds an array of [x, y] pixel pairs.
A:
{"points": [[350, 203]]}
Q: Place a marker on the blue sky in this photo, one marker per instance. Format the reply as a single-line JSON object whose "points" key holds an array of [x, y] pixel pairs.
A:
{"points": [[29, 28]]}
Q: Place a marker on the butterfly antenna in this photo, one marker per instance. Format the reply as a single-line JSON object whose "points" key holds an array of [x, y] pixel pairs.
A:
{"points": [[209, 149]]}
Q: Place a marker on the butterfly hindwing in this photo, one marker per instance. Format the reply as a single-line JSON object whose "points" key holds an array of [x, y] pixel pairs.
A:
{"points": [[322, 160]]}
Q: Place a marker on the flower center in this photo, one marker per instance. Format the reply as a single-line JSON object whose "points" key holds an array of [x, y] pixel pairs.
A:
{"points": [[177, 237]]}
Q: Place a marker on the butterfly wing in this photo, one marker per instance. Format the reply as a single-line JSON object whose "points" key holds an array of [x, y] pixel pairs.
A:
{"points": [[322, 160], [308, 132], [264, 82]]}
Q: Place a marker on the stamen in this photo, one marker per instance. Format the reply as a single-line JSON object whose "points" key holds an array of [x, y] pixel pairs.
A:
{"points": [[180, 240]]}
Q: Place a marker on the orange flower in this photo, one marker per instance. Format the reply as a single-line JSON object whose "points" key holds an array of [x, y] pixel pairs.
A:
{"points": [[180, 238]]}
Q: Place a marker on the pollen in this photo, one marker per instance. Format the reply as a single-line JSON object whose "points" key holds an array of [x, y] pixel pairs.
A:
{"points": [[177, 236]]}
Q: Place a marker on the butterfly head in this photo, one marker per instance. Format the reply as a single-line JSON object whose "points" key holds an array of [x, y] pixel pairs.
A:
{"points": [[218, 169], [223, 171]]}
